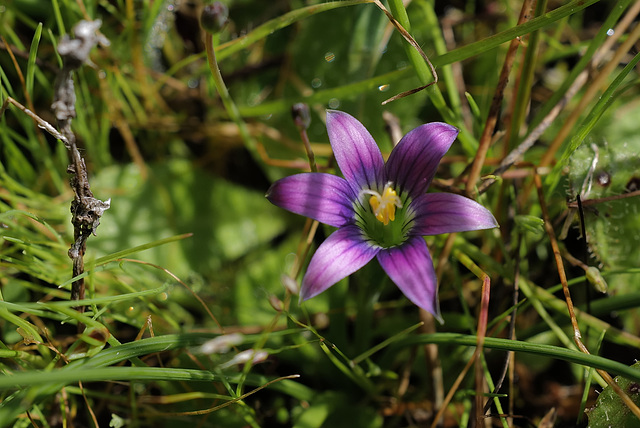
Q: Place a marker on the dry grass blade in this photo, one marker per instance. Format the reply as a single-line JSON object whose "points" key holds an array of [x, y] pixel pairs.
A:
{"points": [[41, 122], [494, 110], [228, 403], [405, 34], [579, 82], [596, 201], [483, 318]]}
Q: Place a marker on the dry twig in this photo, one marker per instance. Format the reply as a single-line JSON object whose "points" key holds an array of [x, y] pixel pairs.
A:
{"points": [[85, 209]]}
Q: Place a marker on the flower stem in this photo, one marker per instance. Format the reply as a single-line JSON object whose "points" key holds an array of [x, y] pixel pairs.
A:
{"points": [[227, 101], [307, 146]]}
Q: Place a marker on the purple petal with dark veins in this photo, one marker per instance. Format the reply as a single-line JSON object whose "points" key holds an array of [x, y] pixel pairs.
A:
{"points": [[323, 197], [414, 161], [356, 152], [341, 254], [437, 213], [410, 267]]}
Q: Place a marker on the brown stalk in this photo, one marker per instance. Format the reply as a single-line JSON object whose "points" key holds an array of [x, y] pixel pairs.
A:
{"points": [[577, 336], [533, 136], [19, 72], [27, 96], [589, 202], [431, 350], [598, 83], [480, 334], [494, 109], [508, 367], [483, 319]]}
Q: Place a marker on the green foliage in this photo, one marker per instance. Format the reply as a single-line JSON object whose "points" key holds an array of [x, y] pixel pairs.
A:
{"points": [[178, 198], [607, 166], [609, 410], [190, 250]]}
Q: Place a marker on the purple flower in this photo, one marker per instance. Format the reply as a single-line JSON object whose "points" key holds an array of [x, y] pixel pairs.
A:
{"points": [[381, 210]]}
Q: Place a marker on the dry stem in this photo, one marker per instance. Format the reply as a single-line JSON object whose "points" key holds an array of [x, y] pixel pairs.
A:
{"points": [[85, 209]]}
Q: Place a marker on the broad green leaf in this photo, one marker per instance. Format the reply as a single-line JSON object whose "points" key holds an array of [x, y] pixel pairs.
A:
{"points": [[226, 219], [610, 411], [607, 166]]}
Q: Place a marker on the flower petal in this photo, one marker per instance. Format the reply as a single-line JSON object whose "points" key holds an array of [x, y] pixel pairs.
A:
{"points": [[414, 161], [356, 152], [410, 267], [437, 213], [340, 255], [323, 197]]}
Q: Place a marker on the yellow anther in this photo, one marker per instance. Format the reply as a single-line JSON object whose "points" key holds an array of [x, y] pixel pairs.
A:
{"points": [[384, 206]]}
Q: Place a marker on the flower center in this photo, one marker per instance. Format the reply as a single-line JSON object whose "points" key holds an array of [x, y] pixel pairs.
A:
{"points": [[384, 206], [385, 221]]}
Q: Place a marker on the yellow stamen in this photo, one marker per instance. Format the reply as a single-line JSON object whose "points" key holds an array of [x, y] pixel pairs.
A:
{"points": [[384, 206]]}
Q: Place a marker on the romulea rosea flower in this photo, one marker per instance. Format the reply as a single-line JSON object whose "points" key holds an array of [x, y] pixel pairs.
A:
{"points": [[381, 210]]}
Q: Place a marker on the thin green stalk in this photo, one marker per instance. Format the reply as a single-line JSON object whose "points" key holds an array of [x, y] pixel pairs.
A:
{"points": [[236, 45], [357, 378], [104, 374], [235, 394], [385, 343], [614, 335], [31, 63], [589, 378], [125, 253], [540, 309], [446, 74], [492, 387], [53, 306], [56, 11], [522, 102], [227, 101], [352, 371], [421, 68]]}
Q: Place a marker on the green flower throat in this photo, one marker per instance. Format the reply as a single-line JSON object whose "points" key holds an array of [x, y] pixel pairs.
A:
{"points": [[384, 217]]}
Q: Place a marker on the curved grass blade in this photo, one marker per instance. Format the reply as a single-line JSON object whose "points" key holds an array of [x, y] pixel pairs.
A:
{"points": [[236, 45], [587, 360]]}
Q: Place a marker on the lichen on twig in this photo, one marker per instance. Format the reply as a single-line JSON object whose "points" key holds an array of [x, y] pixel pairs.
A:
{"points": [[85, 209]]}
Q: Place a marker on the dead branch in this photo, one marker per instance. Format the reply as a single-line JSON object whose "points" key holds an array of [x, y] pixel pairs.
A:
{"points": [[85, 209]]}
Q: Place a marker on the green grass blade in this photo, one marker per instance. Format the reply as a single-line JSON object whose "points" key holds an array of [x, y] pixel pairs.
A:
{"points": [[124, 253], [549, 351], [28, 307], [31, 64], [596, 42], [56, 11], [607, 98], [229, 48], [496, 40]]}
